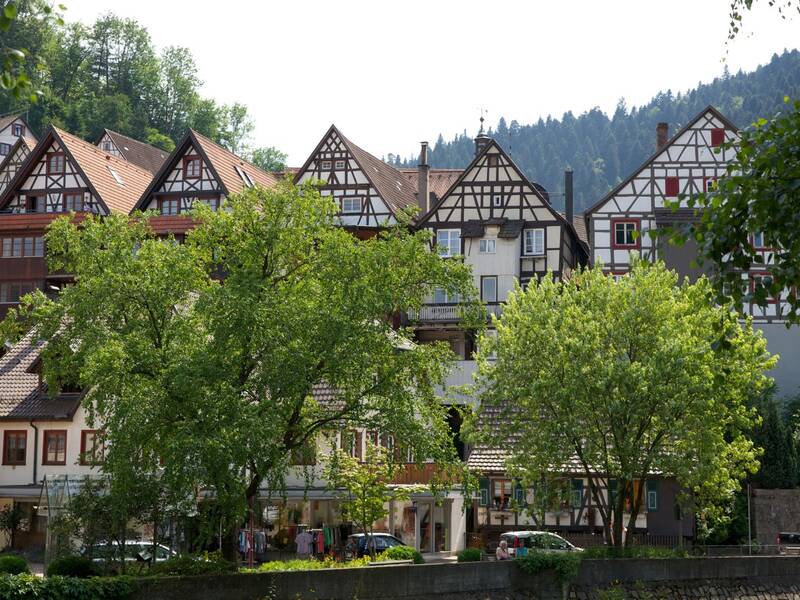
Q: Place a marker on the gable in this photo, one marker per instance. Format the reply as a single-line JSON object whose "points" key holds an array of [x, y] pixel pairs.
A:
{"points": [[348, 181], [491, 188], [12, 163], [106, 144]]}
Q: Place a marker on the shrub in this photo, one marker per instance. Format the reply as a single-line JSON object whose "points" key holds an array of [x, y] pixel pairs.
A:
{"points": [[308, 565], [73, 566], [27, 587], [13, 564], [402, 553], [208, 564], [633, 552], [565, 565], [470, 555]]}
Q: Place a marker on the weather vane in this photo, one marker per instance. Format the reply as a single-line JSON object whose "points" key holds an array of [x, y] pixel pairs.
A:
{"points": [[483, 111]]}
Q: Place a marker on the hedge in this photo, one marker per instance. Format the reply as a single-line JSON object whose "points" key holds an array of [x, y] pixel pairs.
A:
{"points": [[13, 564], [31, 587]]}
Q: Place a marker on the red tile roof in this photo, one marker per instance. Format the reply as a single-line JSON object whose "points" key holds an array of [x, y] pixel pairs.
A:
{"points": [[439, 180], [143, 155], [224, 162]]}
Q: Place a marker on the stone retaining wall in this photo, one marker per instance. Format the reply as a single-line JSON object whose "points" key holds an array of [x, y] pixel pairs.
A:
{"points": [[764, 578]]}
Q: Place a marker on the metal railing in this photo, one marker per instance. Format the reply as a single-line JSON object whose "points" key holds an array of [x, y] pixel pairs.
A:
{"points": [[449, 312]]}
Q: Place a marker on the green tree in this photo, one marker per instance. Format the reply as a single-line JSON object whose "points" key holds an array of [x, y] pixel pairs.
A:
{"points": [[759, 195], [217, 378], [236, 128], [364, 488], [10, 521], [269, 158], [624, 378], [778, 469]]}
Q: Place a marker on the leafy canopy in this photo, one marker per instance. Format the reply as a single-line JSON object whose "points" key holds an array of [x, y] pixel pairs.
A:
{"points": [[214, 382], [622, 380]]}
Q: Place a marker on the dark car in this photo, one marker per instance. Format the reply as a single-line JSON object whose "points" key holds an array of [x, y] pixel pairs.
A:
{"points": [[359, 544]]}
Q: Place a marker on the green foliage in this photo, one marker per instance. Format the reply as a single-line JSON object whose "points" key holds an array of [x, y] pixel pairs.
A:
{"points": [[73, 566], [470, 555], [13, 564], [212, 385], [760, 193], [402, 553], [10, 515], [109, 75], [31, 587], [208, 564], [603, 149], [633, 552], [564, 564], [619, 375], [779, 461], [270, 159], [308, 565]]}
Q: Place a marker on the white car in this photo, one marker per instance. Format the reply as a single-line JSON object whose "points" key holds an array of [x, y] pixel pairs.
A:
{"points": [[540, 541], [135, 550]]}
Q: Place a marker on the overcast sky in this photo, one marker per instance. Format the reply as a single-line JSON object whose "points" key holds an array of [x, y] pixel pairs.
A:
{"points": [[391, 75]]}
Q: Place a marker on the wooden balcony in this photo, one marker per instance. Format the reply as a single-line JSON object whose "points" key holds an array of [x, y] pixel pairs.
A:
{"points": [[448, 313], [411, 473]]}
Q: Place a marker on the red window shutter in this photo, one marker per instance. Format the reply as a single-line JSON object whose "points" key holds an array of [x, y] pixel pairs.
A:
{"points": [[717, 136], [671, 187]]}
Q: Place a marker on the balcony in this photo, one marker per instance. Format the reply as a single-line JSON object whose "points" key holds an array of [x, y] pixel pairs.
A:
{"points": [[449, 313]]}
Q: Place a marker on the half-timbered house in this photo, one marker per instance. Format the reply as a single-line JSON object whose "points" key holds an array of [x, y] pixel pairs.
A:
{"points": [[143, 155], [12, 128], [682, 166], [369, 193], [197, 171], [63, 174], [505, 228]]}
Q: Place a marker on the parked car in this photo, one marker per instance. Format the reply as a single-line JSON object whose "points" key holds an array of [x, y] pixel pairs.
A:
{"points": [[536, 540], [358, 545], [135, 550]]}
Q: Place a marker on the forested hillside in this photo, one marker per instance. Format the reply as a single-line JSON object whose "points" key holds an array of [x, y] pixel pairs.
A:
{"points": [[603, 150], [110, 75]]}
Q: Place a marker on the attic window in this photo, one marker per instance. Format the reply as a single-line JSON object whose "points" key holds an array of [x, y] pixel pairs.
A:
{"points": [[106, 146], [493, 160], [339, 165], [325, 165], [243, 176], [17, 130], [115, 175], [717, 136], [55, 163], [191, 167]]}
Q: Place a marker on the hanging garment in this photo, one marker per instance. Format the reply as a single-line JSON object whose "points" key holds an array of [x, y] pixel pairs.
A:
{"points": [[320, 543], [305, 543]]}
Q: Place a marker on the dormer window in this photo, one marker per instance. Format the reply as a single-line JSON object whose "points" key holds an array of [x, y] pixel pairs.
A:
{"points": [[244, 176], [17, 130], [191, 167], [106, 146], [339, 165], [55, 163], [325, 165]]}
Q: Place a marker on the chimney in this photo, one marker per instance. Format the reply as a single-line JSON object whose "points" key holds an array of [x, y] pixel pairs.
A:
{"points": [[568, 204], [423, 176], [662, 134]]}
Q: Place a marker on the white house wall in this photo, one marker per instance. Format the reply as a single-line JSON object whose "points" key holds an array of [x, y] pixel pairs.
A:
{"points": [[12, 165]]}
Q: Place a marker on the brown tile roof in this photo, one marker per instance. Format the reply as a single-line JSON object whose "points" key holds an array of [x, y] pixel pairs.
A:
{"points": [[439, 180], [20, 396], [143, 155], [223, 161], [392, 185], [579, 223], [96, 165]]}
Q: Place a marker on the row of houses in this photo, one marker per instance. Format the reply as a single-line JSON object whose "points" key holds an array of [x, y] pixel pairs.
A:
{"points": [[490, 213]]}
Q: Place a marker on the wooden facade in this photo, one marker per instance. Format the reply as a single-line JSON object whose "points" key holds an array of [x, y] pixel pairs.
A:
{"points": [[12, 128], [368, 192], [13, 161]]}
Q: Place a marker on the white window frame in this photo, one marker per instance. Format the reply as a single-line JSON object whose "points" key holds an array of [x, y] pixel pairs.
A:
{"points": [[497, 200], [351, 210], [445, 247], [339, 165], [532, 250], [325, 165], [485, 247], [441, 296]]}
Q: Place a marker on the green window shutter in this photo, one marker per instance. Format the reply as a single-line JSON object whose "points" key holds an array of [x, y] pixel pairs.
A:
{"points": [[577, 493], [484, 492], [519, 494], [652, 495]]}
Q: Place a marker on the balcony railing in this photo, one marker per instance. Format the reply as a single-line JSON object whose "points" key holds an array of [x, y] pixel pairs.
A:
{"points": [[443, 313]]}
